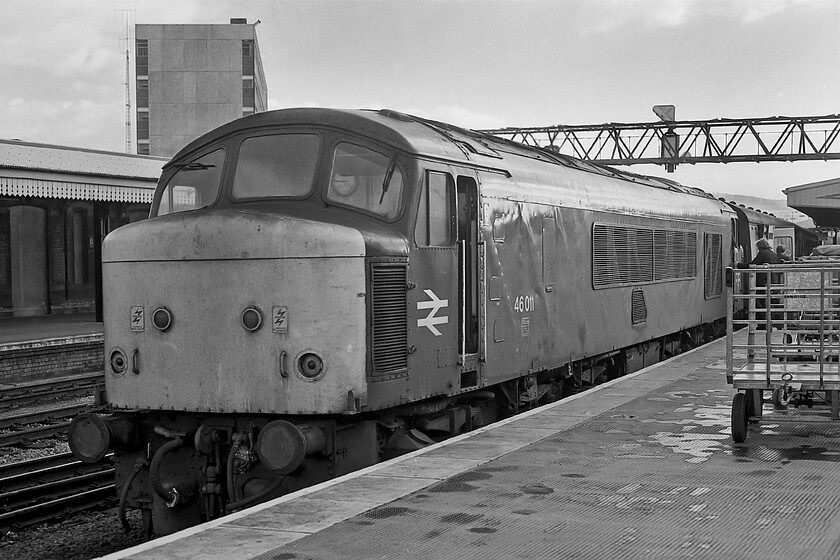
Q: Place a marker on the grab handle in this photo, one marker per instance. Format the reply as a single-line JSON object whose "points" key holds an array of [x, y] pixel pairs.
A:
{"points": [[283, 373]]}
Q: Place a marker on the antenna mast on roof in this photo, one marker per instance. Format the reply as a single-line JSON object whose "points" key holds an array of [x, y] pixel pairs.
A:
{"points": [[128, 143]]}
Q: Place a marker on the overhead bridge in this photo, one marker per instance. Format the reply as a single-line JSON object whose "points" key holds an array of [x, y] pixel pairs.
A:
{"points": [[671, 143]]}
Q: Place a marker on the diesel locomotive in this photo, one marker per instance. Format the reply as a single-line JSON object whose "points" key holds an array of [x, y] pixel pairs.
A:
{"points": [[319, 289]]}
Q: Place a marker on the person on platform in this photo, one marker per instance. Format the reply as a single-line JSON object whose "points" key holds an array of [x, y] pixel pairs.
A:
{"points": [[766, 255], [783, 254]]}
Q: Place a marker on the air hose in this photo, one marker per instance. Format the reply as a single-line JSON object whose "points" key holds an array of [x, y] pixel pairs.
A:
{"points": [[230, 460], [138, 466], [257, 497], [170, 497]]}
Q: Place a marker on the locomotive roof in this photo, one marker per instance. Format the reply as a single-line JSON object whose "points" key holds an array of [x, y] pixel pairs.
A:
{"points": [[755, 216], [429, 138]]}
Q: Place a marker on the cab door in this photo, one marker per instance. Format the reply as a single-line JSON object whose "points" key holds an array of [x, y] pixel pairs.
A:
{"points": [[444, 279], [469, 281]]}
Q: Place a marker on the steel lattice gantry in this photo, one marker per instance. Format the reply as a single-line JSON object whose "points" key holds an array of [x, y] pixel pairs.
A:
{"points": [[673, 142]]}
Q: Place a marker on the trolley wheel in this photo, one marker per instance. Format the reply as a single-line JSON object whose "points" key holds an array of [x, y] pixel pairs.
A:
{"points": [[780, 401], [754, 399], [739, 418]]}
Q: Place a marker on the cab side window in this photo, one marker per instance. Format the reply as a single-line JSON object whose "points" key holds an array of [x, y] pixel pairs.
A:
{"points": [[434, 225], [364, 179]]}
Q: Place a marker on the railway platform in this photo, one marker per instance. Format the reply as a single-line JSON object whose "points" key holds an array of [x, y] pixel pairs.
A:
{"points": [[16, 330], [641, 467], [44, 347]]}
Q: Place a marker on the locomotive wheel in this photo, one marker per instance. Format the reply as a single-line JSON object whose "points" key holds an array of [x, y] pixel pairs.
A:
{"points": [[739, 418]]}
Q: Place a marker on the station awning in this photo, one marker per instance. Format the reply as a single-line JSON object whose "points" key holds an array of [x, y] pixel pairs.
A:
{"points": [[820, 201], [40, 188], [29, 170]]}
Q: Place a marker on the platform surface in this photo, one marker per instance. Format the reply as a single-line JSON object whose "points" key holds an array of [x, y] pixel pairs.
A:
{"points": [[16, 330], [642, 467]]}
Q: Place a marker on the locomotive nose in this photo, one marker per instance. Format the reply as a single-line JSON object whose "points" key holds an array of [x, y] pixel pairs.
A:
{"points": [[225, 311]]}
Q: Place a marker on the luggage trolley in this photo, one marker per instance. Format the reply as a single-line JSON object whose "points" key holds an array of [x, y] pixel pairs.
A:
{"points": [[792, 350]]}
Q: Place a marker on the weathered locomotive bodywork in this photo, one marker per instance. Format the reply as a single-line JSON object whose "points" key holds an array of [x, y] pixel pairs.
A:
{"points": [[319, 288]]}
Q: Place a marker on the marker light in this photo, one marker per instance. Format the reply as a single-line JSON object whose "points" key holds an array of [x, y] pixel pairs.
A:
{"points": [[251, 319], [162, 319]]}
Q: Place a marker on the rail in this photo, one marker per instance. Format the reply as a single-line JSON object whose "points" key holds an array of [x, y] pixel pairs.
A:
{"points": [[22, 394], [52, 487]]}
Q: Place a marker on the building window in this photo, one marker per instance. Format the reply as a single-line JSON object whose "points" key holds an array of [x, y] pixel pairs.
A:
{"points": [[247, 57], [142, 93], [143, 148], [142, 61], [248, 97], [142, 125]]}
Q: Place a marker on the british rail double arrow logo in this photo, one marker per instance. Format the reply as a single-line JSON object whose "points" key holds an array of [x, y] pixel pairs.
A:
{"points": [[430, 320]]}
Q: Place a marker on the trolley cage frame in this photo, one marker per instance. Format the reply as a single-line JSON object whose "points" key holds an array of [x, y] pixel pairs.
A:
{"points": [[793, 339]]}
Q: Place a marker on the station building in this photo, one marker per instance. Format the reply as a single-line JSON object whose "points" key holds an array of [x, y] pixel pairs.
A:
{"points": [[192, 79], [56, 205]]}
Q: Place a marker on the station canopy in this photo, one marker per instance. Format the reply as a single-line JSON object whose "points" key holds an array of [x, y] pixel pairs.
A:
{"points": [[820, 201], [48, 171]]}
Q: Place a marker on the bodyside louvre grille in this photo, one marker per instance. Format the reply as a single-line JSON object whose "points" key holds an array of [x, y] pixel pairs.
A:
{"points": [[638, 307], [625, 255], [676, 254], [713, 284], [389, 317], [621, 255]]}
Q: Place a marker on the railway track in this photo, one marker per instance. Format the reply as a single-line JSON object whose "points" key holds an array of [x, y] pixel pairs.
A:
{"points": [[50, 488], [52, 422], [55, 486], [13, 396]]}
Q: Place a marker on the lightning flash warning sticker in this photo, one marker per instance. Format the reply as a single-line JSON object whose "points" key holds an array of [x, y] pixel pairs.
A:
{"points": [[279, 319], [138, 321]]}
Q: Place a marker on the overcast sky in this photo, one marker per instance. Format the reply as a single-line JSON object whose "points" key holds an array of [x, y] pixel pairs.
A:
{"points": [[476, 64]]}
